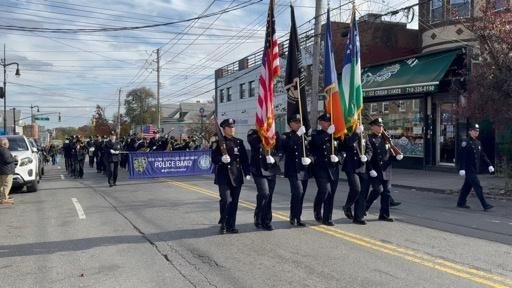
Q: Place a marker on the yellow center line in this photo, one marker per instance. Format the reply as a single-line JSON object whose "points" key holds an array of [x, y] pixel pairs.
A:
{"points": [[482, 277]]}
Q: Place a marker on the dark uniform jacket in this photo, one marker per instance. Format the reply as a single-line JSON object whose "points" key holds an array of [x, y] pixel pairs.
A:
{"points": [[234, 171], [259, 165], [292, 149], [80, 151], [321, 150], [112, 150], [381, 158], [7, 162], [97, 147], [471, 155], [353, 163]]}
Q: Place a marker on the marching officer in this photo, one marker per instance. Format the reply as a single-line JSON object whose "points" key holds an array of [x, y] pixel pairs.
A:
{"points": [[358, 153], [90, 151], [326, 166], [471, 155], [112, 158], [295, 166], [98, 149], [264, 169], [231, 164], [379, 167]]}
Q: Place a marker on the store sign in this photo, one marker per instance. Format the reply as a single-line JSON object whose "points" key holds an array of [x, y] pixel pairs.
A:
{"points": [[400, 90]]}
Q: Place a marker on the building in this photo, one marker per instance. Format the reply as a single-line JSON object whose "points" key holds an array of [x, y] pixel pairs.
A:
{"points": [[186, 119]]}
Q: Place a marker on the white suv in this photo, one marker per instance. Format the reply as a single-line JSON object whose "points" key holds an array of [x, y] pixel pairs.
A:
{"points": [[27, 170]]}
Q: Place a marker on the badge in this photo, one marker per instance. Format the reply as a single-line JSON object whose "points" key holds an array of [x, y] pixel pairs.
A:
{"points": [[464, 143], [236, 150]]}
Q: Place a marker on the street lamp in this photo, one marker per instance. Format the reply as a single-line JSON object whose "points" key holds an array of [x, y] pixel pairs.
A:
{"points": [[4, 64]]}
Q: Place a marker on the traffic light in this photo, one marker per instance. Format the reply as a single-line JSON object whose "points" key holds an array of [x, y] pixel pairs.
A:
{"points": [[60, 118]]}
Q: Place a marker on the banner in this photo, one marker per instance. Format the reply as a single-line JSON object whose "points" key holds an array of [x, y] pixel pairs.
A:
{"points": [[169, 164]]}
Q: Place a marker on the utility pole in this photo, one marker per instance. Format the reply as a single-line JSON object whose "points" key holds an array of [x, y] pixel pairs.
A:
{"points": [[158, 87], [316, 66], [4, 64], [14, 120], [119, 114]]}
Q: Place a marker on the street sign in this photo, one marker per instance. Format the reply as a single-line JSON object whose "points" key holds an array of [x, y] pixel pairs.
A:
{"points": [[41, 118]]}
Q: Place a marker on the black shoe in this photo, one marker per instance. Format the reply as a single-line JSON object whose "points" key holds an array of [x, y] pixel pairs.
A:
{"points": [[293, 222], [222, 229], [115, 184], [328, 223], [300, 223], [360, 222], [348, 212], [232, 230], [257, 225], [394, 203], [488, 207], [267, 227], [318, 218], [110, 185], [463, 206], [386, 219]]}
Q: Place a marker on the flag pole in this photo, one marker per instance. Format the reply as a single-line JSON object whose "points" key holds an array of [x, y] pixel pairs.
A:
{"points": [[301, 122], [332, 121]]}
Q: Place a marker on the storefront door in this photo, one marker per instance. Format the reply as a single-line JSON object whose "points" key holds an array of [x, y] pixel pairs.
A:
{"points": [[446, 133]]}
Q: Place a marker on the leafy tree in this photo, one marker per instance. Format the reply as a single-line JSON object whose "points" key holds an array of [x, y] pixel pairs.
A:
{"points": [[62, 132], [100, 122], [140, 107]]}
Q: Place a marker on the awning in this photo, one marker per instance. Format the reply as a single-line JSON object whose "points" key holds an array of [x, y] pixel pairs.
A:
{"points": [[418, 74]]}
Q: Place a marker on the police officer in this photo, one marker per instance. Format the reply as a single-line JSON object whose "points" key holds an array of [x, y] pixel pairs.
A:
{"points": [[112, 157], [471, 155], [66, 149], [379, 168], [296, 166], [98, 149], [326, 166], [264, 168], [231, 164], [90, 151], [79, 153], [358, 153]]}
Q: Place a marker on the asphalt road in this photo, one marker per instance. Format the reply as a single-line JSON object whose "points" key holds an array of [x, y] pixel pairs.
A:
{"points": [[163, 233]]}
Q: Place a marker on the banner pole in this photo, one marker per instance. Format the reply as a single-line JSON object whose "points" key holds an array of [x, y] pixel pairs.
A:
{"points": [[301, 122]]}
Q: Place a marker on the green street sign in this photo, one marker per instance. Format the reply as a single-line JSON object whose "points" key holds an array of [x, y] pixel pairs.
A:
{"points": [[42, 118]]}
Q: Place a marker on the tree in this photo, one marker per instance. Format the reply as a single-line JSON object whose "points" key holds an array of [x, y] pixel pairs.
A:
{"points": [[140, 107], [85, 131], [100, 122], [62, 132], [125, 124]]}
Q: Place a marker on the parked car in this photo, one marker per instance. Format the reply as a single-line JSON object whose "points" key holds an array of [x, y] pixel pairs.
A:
{"points": [[27, 165], [40, 153]]}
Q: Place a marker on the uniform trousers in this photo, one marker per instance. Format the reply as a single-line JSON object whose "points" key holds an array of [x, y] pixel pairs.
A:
{"points": [[324, 198], [228, 204], [357, 194], [112, 168], [380, 187], [471, 181], [265, 186]]}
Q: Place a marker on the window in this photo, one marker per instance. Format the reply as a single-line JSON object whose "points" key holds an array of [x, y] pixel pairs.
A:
{"points": [[252, 91], [221, 95], [228, 94], [415, 105], [500, 4], [385, 107], [401, 106], [460, 8], [374, 108], [242, 91], [436, 11]]}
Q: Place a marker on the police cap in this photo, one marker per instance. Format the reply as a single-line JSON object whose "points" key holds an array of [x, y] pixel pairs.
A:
{"points": [[376, 122], [294, 118], [326, 117], [474, 127], [229, 122]]}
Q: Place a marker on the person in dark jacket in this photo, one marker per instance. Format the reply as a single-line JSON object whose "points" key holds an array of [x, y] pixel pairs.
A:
{"points": [[264, 168], [112, 157], [79, 153], [7, 170]]}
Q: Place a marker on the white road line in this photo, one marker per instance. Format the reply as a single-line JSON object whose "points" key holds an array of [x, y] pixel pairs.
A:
{"points": [[61, 176], [495, 221], [58, 167], [79, 210]]}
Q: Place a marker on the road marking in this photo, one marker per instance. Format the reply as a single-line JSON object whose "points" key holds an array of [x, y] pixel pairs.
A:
{"points": [[61, 177], [495, 221], [78, 207], [473, 274]]}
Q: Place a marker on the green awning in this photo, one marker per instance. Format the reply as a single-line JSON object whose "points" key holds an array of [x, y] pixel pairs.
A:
{"points": [[418, 74]]}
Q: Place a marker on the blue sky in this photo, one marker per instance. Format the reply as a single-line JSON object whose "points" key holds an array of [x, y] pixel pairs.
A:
{"points": [[71, 73]]}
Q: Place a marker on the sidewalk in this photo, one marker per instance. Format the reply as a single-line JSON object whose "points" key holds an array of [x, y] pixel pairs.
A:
{"points": [[443, 182]]}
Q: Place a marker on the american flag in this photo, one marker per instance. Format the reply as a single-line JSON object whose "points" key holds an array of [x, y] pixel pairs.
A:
{"points": [[149, 131], [269, 70]]}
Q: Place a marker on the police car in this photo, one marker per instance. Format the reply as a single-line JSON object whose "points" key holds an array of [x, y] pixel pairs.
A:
{"points": [[27, 172]]}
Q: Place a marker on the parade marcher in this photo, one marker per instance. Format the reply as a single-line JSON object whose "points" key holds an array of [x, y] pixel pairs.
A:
{"points": [[79, 153], [231, 164], [264, 168], [326, 165], [90, 151], [112, 158], [358, 152], [379, 168], [296, 166], [98, 149], [66, 149], [470, 156]]}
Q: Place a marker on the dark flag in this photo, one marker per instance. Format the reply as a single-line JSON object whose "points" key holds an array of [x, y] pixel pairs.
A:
{"points": [[295, 77]]}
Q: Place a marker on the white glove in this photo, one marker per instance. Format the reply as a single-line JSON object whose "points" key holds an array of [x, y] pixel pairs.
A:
{"points": [[359, 129], [373, 174], [364, 158], [491, 169], [305, 161], [301, 131], [334, 158], [462, 173], [248, 177], [399, 157], [270, 160], [331, 129], [226, 159]]}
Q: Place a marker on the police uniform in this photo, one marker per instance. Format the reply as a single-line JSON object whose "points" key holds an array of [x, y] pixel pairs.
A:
{"points": [[470, 157], [112, 157], [229, 176], [355, 169], [79, 153], [264, 176], [379, 167], [292, 148], [326, 172], [98, 150]]}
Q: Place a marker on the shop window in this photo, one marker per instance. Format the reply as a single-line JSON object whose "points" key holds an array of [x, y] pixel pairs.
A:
{"points": [[436, 11], [416, 105], [500, 4], [460, 8], [252, 90], [385, 107], [228, 94], [402, 106], [242, 91], [374, 108], [221, 95]]}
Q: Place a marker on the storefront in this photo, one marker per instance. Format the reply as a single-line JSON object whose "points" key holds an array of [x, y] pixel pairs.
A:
{"points": [[417, 98]]}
